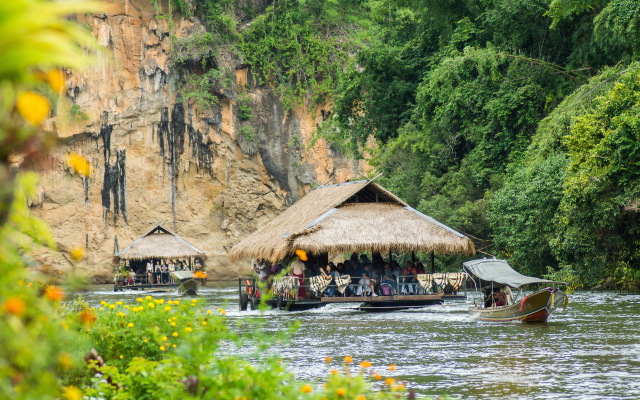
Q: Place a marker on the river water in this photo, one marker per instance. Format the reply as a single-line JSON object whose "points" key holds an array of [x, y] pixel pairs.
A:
{"points": [[589, 351]]}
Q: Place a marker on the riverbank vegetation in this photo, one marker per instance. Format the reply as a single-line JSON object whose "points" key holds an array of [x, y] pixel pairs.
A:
{"points": [[512, 121]]}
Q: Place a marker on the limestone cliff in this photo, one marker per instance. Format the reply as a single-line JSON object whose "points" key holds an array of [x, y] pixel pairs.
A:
{"points": [[159, 158]]}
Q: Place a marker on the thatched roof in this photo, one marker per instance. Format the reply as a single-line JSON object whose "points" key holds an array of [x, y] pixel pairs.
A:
{"points": [[353, 216], [159, 242]]}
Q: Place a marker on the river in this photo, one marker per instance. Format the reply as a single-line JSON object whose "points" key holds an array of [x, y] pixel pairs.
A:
{"points": [[589, 351]]}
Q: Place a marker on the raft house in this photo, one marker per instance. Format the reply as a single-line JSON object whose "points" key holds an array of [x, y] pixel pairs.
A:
{"points": [[159, 245], [359, 216]]}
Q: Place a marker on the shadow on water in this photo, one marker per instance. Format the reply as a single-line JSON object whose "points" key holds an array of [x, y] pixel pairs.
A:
{"points": [[592, 350]]}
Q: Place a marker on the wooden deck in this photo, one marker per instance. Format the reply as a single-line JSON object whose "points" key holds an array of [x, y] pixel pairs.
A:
{"points": [[382, 299]]}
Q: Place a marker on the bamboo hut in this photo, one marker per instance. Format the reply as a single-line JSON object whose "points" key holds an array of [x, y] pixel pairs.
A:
{"points": [[350, 217], [159, 243]]}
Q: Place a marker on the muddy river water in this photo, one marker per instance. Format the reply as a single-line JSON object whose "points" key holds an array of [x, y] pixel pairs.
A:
{"points": [[589, 351]]}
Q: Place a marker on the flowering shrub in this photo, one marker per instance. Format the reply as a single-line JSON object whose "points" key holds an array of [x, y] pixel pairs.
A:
{"points": [[175, 349]]}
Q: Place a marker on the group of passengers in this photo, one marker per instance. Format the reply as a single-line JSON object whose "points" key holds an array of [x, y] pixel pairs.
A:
{"points": [[160, 271], [367, 275]]}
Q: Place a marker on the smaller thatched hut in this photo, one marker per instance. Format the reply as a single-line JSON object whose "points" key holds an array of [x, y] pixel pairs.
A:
{"points": [[350, 217], [160, 244]]}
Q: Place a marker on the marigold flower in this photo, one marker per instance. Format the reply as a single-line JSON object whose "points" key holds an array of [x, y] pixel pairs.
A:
{"points": [[145, 340], [167, 308], [188, 329], [65, 360], [55, 78], [151, 305], [365, 364], [199, 274], [104, 303], [389, 381], [328, 359], [397, 387], [361, 397], [222, 312], [112, 306], [341, 392], [77, 253], [209, 312], [204, 323], [71, 393], [174, 334], [302, 255], [148, 297], [54, 293], [130, 325], [80, 165], [392, 367], [87, 317], [306, 388], [162, 348], [174, 346], [14, 306], [121, 356], [377, 376], [33, 107], [348, 359], [334, 371], [164, 338]]}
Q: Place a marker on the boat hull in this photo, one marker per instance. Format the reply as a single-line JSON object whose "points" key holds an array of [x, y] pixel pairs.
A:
{"points": [[536, 307]]}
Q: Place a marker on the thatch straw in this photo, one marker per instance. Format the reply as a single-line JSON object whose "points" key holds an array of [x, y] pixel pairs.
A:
{"points": [[308, 224], [379, 227], [159, 243]]}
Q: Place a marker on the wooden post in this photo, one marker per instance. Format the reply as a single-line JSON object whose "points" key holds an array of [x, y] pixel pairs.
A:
{"points": [[413, 257], [433, 262]]}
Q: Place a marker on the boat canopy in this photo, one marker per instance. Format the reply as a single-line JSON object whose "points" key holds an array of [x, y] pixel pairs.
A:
{"points": [[499, 271]]}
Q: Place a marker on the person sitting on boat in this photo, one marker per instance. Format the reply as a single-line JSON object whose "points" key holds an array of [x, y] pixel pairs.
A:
{"points": [[261, 269], [329, 273], [409, 273], [368, 279], [389, 277], [508, 295], [156, 273]]}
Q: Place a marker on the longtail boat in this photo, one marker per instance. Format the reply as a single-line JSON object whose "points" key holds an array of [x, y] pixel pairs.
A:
{"points": [[534, 307]]}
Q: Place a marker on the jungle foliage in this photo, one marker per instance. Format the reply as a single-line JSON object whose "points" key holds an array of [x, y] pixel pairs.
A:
{"points": [[487, 115]]}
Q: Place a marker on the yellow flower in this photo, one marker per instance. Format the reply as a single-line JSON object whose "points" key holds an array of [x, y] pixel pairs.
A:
{"points": [[159, 301], [348, 359], [397, 387], [55, 79], [361, 397], [77, 253], [121, 356], [145, 340], [65, 360], [306, 388], [188, 329], [14, 306], [151, 305], [33, 107], [174, 334], [162, 348], [71, 393], [148, 297], [104, 303], [169, 301], [222, 312], [120, 314], [54, 293], [127, 306], [130, 325], [199, 275], [392, 367], [79, 164], [328, 359], [167, 308], [112, 306], [377, 376], [173, 324], [209, 312], [341, 392], [174, 346], [176, 302], [334, 371], [365, 364], [389, 381], [302, 255], [164, 338], [118, 303], [204, 323]]}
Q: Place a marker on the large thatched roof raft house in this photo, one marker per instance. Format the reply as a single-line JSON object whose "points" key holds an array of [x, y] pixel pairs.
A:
{"points": [[350, 217], [160, 243]]}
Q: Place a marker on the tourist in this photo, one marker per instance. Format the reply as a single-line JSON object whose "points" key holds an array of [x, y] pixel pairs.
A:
{"points": [[368, 280], [409, 274], [329, 275], [260, 268], [389, 278], [508, 294], [172, 268], [150, 272], [164, 271], [297, 270], [156, 273]]}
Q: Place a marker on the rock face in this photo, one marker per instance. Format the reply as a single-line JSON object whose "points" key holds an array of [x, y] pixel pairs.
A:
{"points": [[158, 158]]}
